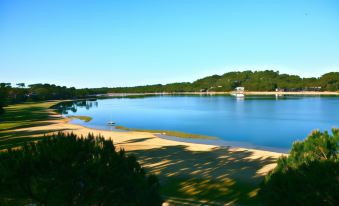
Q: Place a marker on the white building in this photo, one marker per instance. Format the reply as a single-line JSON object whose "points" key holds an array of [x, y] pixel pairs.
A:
{"points": [[240, 89]]}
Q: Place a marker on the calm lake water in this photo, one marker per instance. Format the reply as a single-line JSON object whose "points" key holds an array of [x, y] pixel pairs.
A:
{"points": [[265, 122]]}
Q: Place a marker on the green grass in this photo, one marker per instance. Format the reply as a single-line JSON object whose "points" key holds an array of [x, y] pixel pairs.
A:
{"points": [[169, 133], [83, 118], [22, 116], [25, 115]]}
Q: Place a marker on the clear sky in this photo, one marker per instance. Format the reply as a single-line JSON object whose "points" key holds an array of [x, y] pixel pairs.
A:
{"points": [[125, 43]]}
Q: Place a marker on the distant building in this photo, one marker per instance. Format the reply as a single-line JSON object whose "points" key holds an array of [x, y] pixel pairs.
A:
{"points": [[240, 89], [316, 89], [279, 90], [239, 92]]}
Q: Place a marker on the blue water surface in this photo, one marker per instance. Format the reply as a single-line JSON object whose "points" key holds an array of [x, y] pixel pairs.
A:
{"points": [[255, 121]]}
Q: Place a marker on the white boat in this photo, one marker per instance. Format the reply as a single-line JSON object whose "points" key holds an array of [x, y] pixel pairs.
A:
{"points": [[110, 123], [239, 92], [239, 95]]}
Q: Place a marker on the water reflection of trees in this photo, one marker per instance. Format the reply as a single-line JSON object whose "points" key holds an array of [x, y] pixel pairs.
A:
{"points": [[65, 107]]}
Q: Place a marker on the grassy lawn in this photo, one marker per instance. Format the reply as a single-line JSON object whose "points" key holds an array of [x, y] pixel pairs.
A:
{"points": [[20, 116]]}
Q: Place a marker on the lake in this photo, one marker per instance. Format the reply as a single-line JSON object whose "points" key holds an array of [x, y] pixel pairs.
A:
{"points": [[264, 122]]}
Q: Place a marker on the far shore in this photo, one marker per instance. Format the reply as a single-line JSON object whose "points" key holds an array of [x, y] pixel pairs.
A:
{"points": [[308, 93]]}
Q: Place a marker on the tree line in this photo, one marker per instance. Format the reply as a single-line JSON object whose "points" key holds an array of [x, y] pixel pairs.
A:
{"points": [[35, 92], [252, 81]]}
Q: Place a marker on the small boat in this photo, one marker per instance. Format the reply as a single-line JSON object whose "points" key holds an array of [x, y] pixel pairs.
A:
{"points": [[110, 123], [238, 94]]}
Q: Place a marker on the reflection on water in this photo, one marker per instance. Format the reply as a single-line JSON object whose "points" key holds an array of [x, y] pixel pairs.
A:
{"points": [[72, 106], [260, 121]]}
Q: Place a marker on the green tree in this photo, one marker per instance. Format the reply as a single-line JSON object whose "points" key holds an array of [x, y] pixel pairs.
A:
{"points": [[21, 85], [309, 175], [4, 91], [330, 81], [69, 170]]}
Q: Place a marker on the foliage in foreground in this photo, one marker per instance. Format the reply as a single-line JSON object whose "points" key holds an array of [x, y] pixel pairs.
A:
{"points": [[308, 176], [68, 170]]}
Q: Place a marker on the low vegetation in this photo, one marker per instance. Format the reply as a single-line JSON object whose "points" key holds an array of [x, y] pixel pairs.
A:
{"points": [[169, 133], [308, 176], [27, 115], [64, 169], [83, 118]]}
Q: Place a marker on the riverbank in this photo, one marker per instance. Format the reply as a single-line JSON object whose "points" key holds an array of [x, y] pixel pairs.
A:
{"points": [[189, 172], [131, 140]]}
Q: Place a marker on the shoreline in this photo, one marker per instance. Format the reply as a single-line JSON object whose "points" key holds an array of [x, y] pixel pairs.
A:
{"points": [[301, 93], [215, 141], [224, 143], [174, 140]]}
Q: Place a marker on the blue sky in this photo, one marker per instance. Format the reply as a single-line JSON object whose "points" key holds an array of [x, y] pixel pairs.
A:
{"points": [[125, 43]]}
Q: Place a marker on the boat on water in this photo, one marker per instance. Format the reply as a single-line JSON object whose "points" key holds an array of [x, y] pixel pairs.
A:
{"points": [[239, 92], [110, 123]]}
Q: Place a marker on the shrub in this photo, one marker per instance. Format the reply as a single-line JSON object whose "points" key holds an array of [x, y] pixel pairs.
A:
{"points": [[308, 176], [64, 169]]}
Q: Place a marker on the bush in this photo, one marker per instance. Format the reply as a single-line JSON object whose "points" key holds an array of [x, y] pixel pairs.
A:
{"points": [[308, 176], [64, 169]]}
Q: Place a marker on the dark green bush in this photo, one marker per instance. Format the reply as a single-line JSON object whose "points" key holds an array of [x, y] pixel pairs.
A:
{"points": [[308, 176], [70, 170]]}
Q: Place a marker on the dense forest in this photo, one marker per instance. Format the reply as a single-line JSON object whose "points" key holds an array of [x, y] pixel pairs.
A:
{"points": [[252, 81]]}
